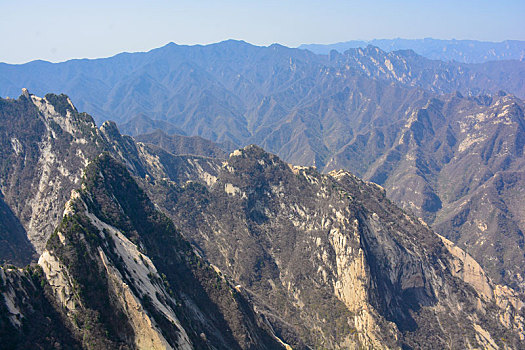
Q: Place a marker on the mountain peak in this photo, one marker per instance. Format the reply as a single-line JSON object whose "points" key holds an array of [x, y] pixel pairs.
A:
{"points": [[61, 103], [252, 152], [110, 128], [234, 43], [25, 93]]}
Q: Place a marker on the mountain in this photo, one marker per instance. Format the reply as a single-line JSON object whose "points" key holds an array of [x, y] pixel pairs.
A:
{"points": [[339, 111], [302, 106], [101, 282], [410, 69], [464, 51], [344, 110], [47, 145], [155, 250], [457, 162], [121, 276], [311, 250], [200, 89], [178, 144]]}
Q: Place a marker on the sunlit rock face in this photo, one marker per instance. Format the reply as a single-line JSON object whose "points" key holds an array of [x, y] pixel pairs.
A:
{"points": [[458, 163], [120, 275], [331, 253], [147, 249]]}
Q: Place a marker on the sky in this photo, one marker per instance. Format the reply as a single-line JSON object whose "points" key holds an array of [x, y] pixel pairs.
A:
{"points": [[60, 30]]}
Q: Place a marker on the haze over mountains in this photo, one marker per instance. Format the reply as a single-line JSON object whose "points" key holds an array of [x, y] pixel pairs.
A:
{"points": [[168, 82], [445, 140], [464, 51]]}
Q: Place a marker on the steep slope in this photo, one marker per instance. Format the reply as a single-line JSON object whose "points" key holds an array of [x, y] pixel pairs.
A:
{"points": [[121, 276], [28, 319], [458, 163], [330, 260], [46, 144], [15, 248]]}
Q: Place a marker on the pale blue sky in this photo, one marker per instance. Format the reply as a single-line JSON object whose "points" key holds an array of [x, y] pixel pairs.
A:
{"points": [[59, 30]]}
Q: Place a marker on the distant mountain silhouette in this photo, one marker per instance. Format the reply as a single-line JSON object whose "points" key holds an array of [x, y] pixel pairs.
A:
{"points": [[464, 51]]}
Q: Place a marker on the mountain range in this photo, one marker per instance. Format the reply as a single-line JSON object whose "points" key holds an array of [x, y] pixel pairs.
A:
{"points": [[464, 51], [445, 139], [137, 247]]}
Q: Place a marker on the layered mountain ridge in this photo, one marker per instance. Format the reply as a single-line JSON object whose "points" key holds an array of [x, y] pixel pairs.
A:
{"points": [[396, 118], [278, 255], [465, 51], [232, 78]]}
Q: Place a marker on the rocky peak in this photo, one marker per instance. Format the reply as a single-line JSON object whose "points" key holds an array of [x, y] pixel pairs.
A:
{"points": [[253, 153], [110, 129], [25, 93], [291, 237], [61, 103]]}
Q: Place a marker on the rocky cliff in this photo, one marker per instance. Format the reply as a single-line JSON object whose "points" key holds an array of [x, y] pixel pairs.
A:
{"points": [[458, 163], [329, 259], [140, 248], [120, 275]]}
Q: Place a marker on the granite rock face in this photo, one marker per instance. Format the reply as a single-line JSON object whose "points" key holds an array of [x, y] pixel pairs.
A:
{"points": [[119, 275], [458, 163], [329, 259], [141, 248]]}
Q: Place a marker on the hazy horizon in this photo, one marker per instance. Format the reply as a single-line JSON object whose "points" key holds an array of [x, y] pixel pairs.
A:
{"points": [[61, 30], [217, 42]]}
